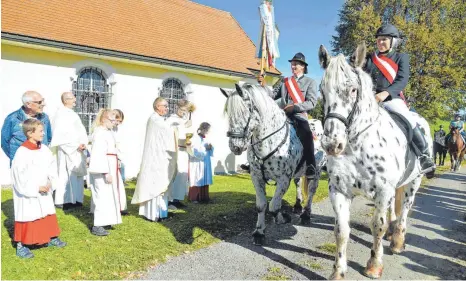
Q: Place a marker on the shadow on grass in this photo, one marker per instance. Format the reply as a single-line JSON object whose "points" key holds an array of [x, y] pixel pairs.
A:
{"points": [[230, 216], [9, 212]]}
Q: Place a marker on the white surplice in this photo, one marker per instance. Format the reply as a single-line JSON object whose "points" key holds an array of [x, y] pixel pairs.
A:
{"points": [[200, 163], [31, 169], [179, 187], [158, 167], [105, 196], [122, 191], [68, 134]]}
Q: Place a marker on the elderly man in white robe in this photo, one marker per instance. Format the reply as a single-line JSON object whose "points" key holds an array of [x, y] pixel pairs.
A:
{"points": [[158, 165], [70, 139], [181, 124]]}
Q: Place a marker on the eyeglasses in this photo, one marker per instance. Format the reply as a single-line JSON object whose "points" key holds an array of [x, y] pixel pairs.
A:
{"points": [[39, 102]]}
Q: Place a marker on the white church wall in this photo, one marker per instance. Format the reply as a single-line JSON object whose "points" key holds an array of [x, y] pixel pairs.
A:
{"points": [[134, 90]]}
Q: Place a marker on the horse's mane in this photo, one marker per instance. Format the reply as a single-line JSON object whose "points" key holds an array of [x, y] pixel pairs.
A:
{"points": [[340, 75], [236, 108]]}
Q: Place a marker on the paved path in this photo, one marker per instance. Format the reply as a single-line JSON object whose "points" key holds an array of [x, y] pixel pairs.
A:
{"points": [[436, 244]]}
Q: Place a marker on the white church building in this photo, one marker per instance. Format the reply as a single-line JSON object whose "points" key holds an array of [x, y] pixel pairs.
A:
{"points": [[123, 54]]}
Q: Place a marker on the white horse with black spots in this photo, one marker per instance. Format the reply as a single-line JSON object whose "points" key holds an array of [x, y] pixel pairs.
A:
{"points": [[258, 125], [368, 155]]}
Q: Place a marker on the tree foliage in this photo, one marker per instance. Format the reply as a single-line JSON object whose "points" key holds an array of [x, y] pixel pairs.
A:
{"points": [[318, 111], [434, 37]]}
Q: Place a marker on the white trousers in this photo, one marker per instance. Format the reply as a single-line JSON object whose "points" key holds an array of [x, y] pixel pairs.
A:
{"points": [[399, 106]]}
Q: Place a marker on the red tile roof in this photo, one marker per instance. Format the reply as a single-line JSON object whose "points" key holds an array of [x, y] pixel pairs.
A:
{"points": [[175, 30]]}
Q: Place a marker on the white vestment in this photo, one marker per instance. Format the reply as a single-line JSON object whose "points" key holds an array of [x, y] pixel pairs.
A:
{"points": [[31, 169], [158, 167], [68, 134], [105, 196], [180, 185], [121, 187], [200, 165]]}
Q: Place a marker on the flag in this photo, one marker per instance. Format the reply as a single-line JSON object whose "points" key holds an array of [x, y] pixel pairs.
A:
{"points": [[269, 33]]}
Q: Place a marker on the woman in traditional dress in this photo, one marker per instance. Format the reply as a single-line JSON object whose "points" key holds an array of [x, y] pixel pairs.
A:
{"points": [[200, 166]]}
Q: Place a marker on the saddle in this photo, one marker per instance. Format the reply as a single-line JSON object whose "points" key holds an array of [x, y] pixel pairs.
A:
{"points": [[403, 124], [405, 127]]}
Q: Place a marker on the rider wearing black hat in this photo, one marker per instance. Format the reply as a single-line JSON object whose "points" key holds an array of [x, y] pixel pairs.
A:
{"points": [[297, 96], [390, 73]]}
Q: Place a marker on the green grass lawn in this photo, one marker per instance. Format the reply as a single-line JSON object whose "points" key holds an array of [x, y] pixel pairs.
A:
{"points": [[137, 244]]}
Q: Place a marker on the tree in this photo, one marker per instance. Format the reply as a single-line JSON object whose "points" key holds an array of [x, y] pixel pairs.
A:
{"points": [[318, 111], [434, 37]]}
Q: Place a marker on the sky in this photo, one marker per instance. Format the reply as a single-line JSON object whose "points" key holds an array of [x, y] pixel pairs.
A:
{"points": [[304, 25]]}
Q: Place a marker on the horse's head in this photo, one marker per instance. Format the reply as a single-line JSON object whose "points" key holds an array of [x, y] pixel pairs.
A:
{"points": [[243, 117], [454, 134], [341, 88]]}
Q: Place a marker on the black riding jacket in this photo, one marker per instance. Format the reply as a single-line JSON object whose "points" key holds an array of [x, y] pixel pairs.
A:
{"points": [[381, 83]]}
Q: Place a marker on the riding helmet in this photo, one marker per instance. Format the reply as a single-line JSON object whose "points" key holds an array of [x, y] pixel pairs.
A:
{"points": [[388, 30]]}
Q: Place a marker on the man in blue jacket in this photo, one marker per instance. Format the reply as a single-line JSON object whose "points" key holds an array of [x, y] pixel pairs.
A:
{"points": [[12, 132]]}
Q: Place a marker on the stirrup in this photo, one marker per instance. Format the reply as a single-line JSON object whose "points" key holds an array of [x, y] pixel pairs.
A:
{"points": [[429, 169]]}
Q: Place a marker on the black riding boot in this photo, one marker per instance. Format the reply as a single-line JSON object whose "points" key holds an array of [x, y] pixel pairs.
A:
{"points": [[427, 165], [305, 135]]}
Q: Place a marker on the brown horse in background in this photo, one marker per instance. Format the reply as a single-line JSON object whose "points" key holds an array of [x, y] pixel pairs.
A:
{"points": [[456, 148]]}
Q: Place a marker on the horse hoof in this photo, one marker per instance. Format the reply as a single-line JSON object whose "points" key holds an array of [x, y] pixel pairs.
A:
{"points": [[286, 217], [297, 209], [396, 249], [305, 217], [337, 276], [374, 272], [430, 175], [397, 245], [259, 240]]}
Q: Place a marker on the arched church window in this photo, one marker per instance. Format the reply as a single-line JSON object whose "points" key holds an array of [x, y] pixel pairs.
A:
{"points": [[173, 91], [92, 93]]}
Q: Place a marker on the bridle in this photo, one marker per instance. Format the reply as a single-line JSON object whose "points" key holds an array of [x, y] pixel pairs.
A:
{"points": [[242, 135], [348, 121]]}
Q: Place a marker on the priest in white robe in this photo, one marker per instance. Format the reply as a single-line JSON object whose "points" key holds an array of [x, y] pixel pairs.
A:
{"points": [[158, 166], [70, 139], [182, 126], [105, 175]]}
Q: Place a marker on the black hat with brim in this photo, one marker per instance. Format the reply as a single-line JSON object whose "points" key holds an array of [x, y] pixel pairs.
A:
{"points": [[299, 57]]}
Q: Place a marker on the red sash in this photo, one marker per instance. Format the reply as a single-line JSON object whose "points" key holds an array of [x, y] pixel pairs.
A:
{"points": [[388, 68], [293, 90]]}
